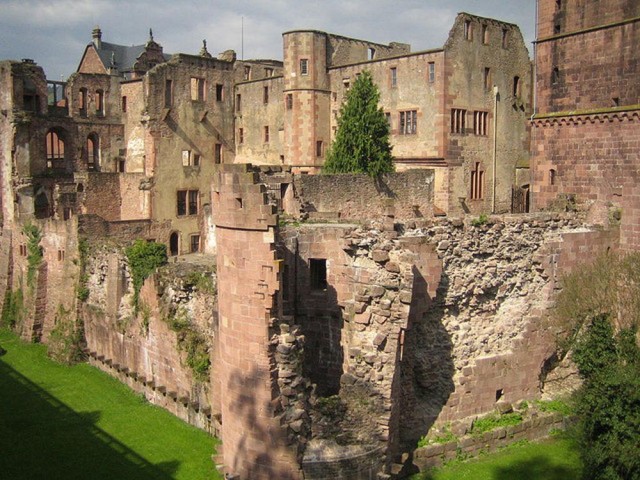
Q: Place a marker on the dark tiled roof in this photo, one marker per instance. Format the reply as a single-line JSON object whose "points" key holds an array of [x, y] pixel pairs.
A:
{"points": [[125, 57]]}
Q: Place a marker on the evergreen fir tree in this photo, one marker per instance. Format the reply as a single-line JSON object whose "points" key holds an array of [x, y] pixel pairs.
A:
{"points": [[362, 139]]}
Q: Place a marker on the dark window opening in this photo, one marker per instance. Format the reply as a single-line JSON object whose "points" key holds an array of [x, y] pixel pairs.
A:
{"points": [[408, 122], [168, 93], [121, 166], [83, 102], [55, 150], [304, 66], [319, 148], [552, 177], [247, 72], [174, 244], [193, 202], [480, 123], [505, 38], [266, 134], [124, 104], [238, 202], [485, 34], [238, 102], [499, 394], [318, 273], [487, 78], [371, 53], [516, 86], [195, 243], [555, 75], [99, 103], [93, 152], [217, 158], [219, 92], [241, 135], [289, 101], [394, 77]]}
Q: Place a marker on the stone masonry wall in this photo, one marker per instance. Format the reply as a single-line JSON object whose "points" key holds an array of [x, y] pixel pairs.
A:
{"points": [[353, 197], [484, 338], [145, 351]]}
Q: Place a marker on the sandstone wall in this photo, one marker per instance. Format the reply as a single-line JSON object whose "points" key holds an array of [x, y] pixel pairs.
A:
{"points": [[147, 351], [405, 195]]}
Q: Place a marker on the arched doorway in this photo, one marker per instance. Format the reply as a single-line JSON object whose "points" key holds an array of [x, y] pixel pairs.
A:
{"points": [[174, 244]]}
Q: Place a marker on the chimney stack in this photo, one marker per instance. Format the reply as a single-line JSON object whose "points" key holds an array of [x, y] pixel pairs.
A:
{"points": [[97, 37]]}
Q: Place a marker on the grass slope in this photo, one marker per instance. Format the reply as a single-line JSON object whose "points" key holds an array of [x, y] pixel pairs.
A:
{"points": [[59, 422], [555, 459]]}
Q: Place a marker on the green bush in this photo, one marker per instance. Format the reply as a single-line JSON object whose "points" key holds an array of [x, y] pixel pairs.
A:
{"points": [[558, 406], [144, 258], [608, 405], [493, 421]]}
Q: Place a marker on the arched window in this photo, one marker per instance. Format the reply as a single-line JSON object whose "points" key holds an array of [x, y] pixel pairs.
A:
{"points": [[93, 152], [55, 149]]}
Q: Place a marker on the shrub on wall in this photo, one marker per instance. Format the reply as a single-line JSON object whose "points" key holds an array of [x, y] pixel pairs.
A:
{"points": [[144, 258], [65, 340], [34, 251], [12, 309]]}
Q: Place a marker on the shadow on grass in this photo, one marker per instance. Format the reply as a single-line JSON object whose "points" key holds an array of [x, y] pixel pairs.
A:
{"points": [[535, 468], [40, 437]]}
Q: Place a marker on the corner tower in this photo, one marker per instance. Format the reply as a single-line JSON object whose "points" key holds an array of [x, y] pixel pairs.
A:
{"points": [[307, 99]]}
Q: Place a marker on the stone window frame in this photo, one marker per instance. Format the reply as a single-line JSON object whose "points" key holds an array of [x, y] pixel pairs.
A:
{"points": [[319, 148], [247, 72], [238, 102], [476, 191], [289, 101], [268, 72], [219, 92], [431, 72], [304, 66], [393, 77], [194, 243], [485, 34], [480, 123], [240, 135], [468, 30], [265, 94], [82, 108], [93, 151], [408, 122], [266, 134], [100, 103], [217, 153], [505, 38], [187, 202], [458, 120], [198, 89], [487, 79]]}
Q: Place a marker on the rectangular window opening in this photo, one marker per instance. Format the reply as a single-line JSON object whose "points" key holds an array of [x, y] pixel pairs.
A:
{"points": [[219, 92], [289, 101], [304, 66], [195, 244], [408, 122], [266, 134], [394, 77], [198, 89], [432, 72], [318, 273], [458, 120], [168, 94], [218, 153], [265, 94]]}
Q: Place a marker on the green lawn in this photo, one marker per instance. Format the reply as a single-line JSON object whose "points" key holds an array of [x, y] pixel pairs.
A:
{"points": [[555, 459], [59, 422]]}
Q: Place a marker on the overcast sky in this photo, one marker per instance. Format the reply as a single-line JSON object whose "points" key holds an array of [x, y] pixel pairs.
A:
{"points": [[55, 32]]}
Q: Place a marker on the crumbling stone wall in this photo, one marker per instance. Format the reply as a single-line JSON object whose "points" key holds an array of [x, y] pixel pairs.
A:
{"points": [[149, 350], [487, 336]]}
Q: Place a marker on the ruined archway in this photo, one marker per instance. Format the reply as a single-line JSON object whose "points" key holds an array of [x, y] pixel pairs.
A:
{"points": [[174, 244]]}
